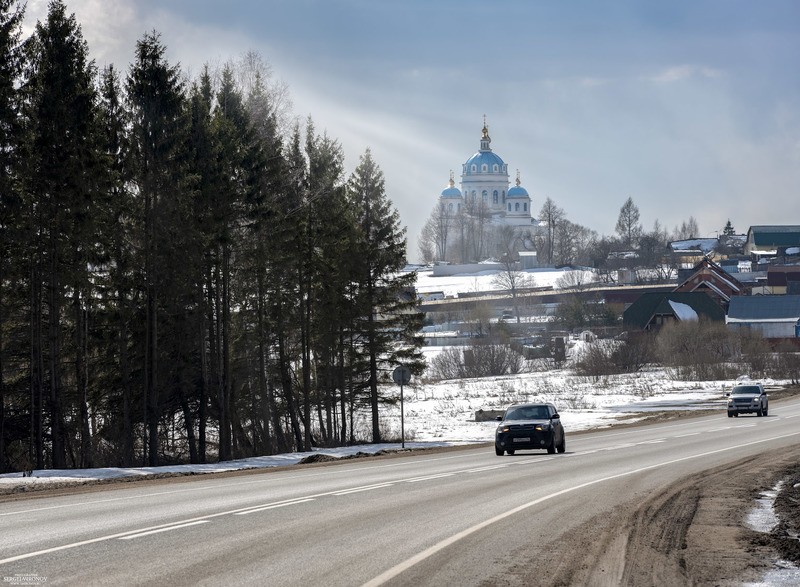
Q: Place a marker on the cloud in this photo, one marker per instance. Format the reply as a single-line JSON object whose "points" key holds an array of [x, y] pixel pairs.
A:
{"points": [[679, 73]]}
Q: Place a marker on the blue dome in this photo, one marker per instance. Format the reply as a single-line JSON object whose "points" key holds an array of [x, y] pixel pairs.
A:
{"points": [[451, 192], [517, 192], [487, 158]]}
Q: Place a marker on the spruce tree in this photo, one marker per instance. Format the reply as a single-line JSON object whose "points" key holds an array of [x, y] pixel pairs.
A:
{"points": [[62, 173], [159, 126], [11, 60], [388, 321]]}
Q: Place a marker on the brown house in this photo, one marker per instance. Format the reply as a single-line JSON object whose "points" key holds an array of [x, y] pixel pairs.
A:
{"points": [[712, 279]]}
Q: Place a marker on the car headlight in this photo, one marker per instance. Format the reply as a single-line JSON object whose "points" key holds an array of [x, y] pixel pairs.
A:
{"points": [[756, 400], [543, 427], [502, 429], [730, 402]]}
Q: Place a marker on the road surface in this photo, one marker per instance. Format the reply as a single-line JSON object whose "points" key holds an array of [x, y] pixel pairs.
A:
{"points": [[465, 517]]}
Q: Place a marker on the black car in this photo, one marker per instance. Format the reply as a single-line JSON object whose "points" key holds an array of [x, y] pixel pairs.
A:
{"points": [[529, 426]]}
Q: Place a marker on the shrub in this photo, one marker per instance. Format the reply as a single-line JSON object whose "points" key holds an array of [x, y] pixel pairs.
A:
{"points": [[482, 360]]}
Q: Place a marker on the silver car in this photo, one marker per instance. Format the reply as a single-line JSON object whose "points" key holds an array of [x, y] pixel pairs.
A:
{"points": [[748, 399]]}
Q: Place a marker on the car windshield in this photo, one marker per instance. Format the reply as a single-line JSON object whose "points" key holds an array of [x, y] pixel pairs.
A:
{"points": [[746, 390], [528, 413]]}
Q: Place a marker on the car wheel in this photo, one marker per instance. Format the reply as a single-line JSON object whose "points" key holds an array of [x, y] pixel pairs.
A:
{"points": [[736, 415], [765, 411], [760, 412], [730, 415], [562, 446], [551, 448], [498, 451], [511, 451]]}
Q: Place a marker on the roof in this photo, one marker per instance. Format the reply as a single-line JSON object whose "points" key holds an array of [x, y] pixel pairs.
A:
{"points": [[518, 192], [764, 308], [650, 304], [451, 192], [781, 275], [705, 245], [774, 235], [484, 158], [708, 274]]}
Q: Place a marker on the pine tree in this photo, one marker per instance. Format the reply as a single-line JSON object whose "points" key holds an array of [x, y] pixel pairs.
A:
{"points": [[11, 61], [158, 121], [388, 318], [728, 230], [120, 328], [62, 178]]}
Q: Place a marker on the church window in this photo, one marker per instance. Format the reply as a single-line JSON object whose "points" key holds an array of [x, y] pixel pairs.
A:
{"points": [[509, 206], [495, 168], [474, 194], [516, 207], [485, 195], [484, 168], [494, 197], [524, 207], [450, 207], [474, 168]]}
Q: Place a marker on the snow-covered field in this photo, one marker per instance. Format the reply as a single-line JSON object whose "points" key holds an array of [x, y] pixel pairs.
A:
{"points": [[446, 410], [484, 281]]}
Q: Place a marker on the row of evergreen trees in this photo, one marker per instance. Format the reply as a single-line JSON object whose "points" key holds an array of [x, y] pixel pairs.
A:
{"points": [[176, 280]]}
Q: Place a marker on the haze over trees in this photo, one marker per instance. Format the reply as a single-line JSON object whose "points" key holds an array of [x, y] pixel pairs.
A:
{"points": [[185, 275], [557, 241]]}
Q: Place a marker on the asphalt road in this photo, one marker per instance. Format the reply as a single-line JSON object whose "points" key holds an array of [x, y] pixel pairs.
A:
{"points": [[453, 518]]}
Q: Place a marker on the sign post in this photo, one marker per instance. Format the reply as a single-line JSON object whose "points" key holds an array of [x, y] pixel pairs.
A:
{"points": [[401, 376]]}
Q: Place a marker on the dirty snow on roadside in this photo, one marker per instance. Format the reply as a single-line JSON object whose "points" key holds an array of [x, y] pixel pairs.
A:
{"points": [[763, 518]]}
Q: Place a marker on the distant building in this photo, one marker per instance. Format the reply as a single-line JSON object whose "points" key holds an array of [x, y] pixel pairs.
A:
{"points": [[769, 241], [783, 279], [712, 279], [485, 186], [651, 311], [776, 316]]}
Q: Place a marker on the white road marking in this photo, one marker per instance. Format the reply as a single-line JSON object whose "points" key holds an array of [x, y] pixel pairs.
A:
{"points": [[360, 489], [439, 546], [429, 477], [654, 441], [149, 532], [489, 468], [273, 506], [687, 435]]}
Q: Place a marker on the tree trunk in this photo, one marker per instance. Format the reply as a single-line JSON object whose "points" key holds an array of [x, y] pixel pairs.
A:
{"points": [[58, 458], [82, 379]]}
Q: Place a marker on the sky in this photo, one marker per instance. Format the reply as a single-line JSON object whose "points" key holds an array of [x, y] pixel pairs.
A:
{"points": [[689, 107]]}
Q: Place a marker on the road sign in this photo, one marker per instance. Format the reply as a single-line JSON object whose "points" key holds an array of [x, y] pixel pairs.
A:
{"points": [[402, 375]]}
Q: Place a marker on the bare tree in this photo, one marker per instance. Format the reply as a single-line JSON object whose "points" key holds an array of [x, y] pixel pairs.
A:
{"points": [[476, 221], [628, 227], [425, 244], [688, 229], [511, 279], [551, 215], [437, 229], [575, 280], [255, 78], [573, 243]]}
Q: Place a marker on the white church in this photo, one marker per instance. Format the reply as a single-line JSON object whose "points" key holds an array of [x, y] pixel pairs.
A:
{"points": [[484, 176]]}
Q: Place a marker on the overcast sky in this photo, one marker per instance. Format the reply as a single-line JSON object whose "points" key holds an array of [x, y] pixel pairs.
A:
{"points": [[690, 107]]}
